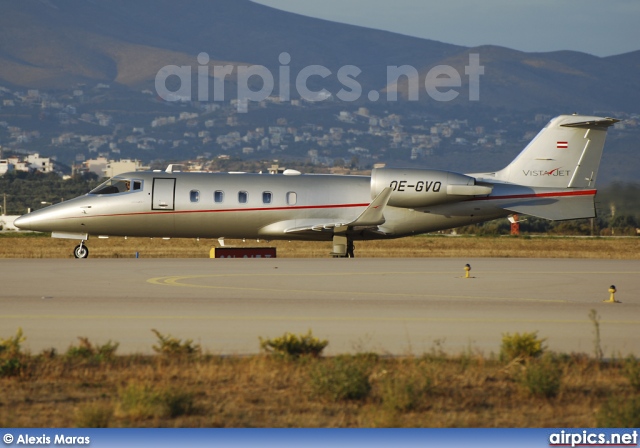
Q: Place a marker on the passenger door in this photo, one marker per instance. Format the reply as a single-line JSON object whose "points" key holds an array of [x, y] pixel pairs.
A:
{"points": [[164, 194]]}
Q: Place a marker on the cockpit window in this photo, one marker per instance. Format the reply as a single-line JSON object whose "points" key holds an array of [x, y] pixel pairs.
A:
{"points": [[115, 186]]}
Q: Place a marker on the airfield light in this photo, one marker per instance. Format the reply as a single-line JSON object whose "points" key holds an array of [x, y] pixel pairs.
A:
{"points": [[612, 292]]}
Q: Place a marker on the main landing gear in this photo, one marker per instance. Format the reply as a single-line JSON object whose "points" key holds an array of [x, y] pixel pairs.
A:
{"points": [[81, 251], [342, 247]]}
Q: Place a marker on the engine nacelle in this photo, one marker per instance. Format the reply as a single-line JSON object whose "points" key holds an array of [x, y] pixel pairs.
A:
{"points": [[412, 188]]}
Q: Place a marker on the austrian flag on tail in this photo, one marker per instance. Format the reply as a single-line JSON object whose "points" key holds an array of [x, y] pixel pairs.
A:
{"points": [[563, 145]]}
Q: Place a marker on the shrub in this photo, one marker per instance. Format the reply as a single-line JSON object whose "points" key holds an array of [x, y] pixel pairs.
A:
{"points": [[619, 412], [341, 378], [177, 403], [542, 378], [632, 372], [10, 367], [404, 392], [140, 402], [10, 347], [526, 345], [291, 345], [94, 415], [86, 350], [170, 346], [10, 355]]}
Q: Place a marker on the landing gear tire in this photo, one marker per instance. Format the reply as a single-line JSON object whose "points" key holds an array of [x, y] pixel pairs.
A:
{"points": [[81, 251]]}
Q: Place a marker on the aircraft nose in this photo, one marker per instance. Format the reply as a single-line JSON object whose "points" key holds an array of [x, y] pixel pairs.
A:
{"points": [[56, 217], [39, 221], [24, 222]]}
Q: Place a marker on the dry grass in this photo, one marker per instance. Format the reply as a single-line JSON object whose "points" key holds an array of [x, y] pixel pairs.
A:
{"points": [[262, 391], [13, 246]]}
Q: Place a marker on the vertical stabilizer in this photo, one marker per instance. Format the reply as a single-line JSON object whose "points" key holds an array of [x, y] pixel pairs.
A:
{"points": [[565, 154]]}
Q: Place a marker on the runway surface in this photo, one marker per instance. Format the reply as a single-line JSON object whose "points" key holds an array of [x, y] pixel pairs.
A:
{"points": [[394, 306]]}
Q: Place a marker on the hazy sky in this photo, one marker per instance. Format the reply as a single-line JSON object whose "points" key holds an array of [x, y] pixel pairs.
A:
{"points": [[599, 27]]}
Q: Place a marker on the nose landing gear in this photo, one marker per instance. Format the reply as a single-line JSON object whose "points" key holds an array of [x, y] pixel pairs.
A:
{"points": [[81, 251]]}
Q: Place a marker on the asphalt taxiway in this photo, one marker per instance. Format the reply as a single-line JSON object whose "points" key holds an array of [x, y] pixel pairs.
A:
{"points": [[394, 306]]}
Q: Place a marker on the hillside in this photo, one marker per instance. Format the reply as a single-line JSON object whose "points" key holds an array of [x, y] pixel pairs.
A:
{"points": [[51, 44], [564, 79]]}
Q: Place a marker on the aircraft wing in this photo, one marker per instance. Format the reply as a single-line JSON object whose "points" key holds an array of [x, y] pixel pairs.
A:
{"points": [[372, 216]]}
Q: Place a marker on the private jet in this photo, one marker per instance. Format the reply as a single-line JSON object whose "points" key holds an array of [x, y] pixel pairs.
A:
{"points": [[552, 178]]}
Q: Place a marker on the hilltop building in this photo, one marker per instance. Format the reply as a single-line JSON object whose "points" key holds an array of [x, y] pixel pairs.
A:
{"points": [[104, 167], [6, 167], [32, 162]]}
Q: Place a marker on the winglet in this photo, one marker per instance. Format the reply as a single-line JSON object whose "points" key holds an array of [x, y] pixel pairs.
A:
{"points": [[373, 214]]}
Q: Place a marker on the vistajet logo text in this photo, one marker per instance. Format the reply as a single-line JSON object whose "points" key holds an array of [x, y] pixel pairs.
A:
{"points": [[557, 172], [440, 82]]}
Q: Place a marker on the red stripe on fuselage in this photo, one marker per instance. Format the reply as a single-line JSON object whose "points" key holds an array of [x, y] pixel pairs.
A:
{"points": [[261, 209], [540, 195]]}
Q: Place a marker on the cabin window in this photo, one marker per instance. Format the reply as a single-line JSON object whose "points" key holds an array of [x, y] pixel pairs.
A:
{"points": [[194, 195], [243, 197], [137, 185], [266, 197], [292, 198], [218, 196]]}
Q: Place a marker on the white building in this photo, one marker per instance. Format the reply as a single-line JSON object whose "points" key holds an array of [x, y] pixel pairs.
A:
{"points": [[6, 167], [104, 167], [96, 166], [43, 164], [6, 222], [114, 168], [18, 163]]}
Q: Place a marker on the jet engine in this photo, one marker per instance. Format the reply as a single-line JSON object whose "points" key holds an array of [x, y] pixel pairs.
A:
{"points": [[412, 188]]}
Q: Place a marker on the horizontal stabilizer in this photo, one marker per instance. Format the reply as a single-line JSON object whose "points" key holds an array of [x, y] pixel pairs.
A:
{"points": [[592, 124], [556, 209]]}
